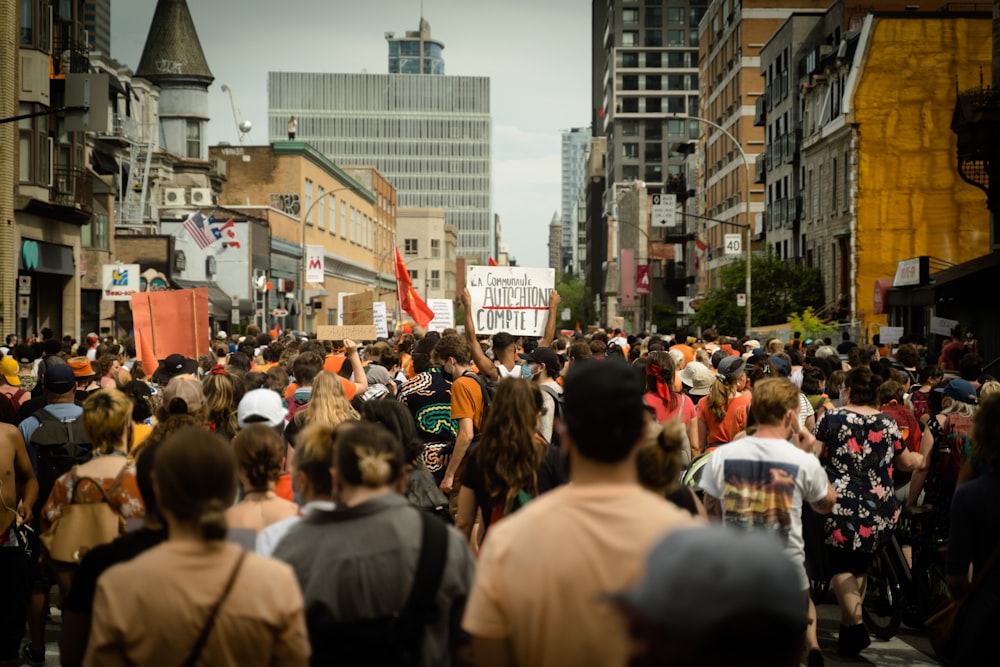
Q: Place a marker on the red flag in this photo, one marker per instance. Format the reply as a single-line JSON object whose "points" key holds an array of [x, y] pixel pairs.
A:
{"points": [[409, 300], [492, 262]]}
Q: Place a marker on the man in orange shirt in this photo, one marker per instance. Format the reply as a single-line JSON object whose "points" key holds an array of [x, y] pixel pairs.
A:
{"points": [[467, 401]]}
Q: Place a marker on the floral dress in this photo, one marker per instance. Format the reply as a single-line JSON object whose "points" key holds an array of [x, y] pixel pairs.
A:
{"points": [[858, 454]]}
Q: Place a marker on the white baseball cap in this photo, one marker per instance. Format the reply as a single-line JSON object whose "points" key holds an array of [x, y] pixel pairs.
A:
{"points": [[260, 406]]}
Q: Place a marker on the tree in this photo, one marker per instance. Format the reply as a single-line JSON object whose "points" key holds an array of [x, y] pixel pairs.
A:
{"points": [[576, 296], [780, 289]]}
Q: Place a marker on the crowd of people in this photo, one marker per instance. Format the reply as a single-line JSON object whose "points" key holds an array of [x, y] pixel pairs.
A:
{"points": [[452, 498]]}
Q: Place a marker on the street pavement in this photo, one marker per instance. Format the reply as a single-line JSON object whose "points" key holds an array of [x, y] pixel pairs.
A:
{"points": [[909, 647]]}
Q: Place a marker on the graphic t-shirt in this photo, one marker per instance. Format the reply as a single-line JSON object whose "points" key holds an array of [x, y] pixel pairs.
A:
{"points": [[428, 398], [761, 484]]}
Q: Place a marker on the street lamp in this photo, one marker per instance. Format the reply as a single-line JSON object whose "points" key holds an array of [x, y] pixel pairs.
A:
{"points": [[746, 201]]}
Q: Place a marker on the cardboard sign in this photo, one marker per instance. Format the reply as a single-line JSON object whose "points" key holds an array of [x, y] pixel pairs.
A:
{"points": [[357, 332], [510, 298], [444, 314], [359, 309], [170, 322], [890, 335], [942, 326], [340, 305]]}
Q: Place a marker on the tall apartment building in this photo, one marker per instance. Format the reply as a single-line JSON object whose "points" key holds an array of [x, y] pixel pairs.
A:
{"points": [[430, 136], [645, 70], [575, 147], [97, 23], [731, 36], [416, 52]]}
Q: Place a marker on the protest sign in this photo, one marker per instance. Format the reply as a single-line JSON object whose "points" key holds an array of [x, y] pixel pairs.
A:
{"points": [[359, 309], [444, 314], [381, 319], [170, 322], [357, 332], [510, 298]]}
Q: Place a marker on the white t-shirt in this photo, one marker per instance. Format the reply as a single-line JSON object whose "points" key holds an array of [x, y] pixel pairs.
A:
{"points": [[761, 484]]}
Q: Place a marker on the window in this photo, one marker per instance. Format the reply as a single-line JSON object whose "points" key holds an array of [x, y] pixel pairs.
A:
{"points": [[630, 128], [654, 38], [630, 38], [211, 266], [630, 105], [630, 151], [654, 104], [630, 82], [343, 219], [95, 233], [630, 16], [676, 38], [654, 17], [675, 128], [410, 246], [414, 274], [332, 199], [833, 187], [26, 140], [194, 139], [630, 172], [675, 104], [309, 202], [630, 59], [654, 59], [435, 247], [320, 222], [435, 279]]}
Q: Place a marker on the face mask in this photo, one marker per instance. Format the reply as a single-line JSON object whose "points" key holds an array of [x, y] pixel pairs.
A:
{"points": [[526, 371]]}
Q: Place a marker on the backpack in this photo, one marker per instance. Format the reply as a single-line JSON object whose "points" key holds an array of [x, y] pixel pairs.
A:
{"points": [[487, 386], [557, 401], [60, 446], [950, 442], [395, 640]]}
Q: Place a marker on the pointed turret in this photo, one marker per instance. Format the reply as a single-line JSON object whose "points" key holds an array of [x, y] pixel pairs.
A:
{"points": [[173, 53]]}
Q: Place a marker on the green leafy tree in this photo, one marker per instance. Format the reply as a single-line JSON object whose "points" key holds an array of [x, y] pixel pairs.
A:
{"points": [[808, 325], [780, 289], [575, 295]]}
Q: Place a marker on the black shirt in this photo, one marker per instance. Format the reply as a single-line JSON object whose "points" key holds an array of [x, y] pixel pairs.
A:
{"points": [[99, 559]]}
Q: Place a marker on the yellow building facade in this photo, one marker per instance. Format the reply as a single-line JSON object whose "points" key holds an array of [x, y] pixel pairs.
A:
{"points": [[909, 198]]}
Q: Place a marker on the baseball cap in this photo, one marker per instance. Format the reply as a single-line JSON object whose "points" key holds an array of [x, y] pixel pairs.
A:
{"points": [[186, 389], [548, 358], [737, 573], [221, 335], [600, 395], [81, 366], [699, 377], [960, 390], [751, 344], [260, 406], [780, 365], [9, 368], [730, 367], [59, 379]]}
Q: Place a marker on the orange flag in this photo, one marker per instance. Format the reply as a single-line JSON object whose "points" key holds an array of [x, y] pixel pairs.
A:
{"points": [[409, 300], [492, 262]]}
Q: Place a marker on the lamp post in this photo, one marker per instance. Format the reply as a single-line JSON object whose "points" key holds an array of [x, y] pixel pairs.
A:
{"points": [[746, 201], [305, 218]]}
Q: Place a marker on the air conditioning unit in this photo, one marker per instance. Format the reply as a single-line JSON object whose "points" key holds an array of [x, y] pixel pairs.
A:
{"points": [[173, 196], [201, 196]]}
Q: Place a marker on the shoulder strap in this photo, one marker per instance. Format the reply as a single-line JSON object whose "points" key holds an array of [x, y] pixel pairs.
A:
{"points": [[482, 387], [556, 398], [43, 415], [206, 630], [419, 606]]}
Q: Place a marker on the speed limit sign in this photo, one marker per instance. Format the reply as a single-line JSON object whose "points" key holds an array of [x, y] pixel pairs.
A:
{"points": [[733, 245]]}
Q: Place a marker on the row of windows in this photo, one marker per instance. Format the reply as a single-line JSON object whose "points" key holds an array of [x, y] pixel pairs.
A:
{"points": [[412, 247], [301, 92], [655, 38], [353, 225], [670, 104], [656, 59], [385, 129], [657, 81]]}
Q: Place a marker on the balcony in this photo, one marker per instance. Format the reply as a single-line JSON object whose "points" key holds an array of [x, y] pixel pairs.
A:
{"points": [[70, 57], [760, 112], [73, 188]]}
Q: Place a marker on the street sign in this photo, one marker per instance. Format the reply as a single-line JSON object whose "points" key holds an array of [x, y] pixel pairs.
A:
{"points": [[279, 312], [741, 299], [733, 245], [664, 210]]}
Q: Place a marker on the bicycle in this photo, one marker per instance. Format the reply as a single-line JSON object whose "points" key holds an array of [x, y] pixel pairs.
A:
{"points": [[898, 592]]}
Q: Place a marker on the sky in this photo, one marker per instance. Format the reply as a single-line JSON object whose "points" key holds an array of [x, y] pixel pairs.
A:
{"points": [[535, 52]]}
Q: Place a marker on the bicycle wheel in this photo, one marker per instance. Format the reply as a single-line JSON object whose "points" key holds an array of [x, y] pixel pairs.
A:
{"points": [[881, 609]]}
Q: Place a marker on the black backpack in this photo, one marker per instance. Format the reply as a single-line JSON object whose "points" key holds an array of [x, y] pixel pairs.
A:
{"points": [[393, 641], [60, 446], [557, 400]]}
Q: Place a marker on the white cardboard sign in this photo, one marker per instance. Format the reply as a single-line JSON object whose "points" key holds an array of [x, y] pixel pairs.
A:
{"points": [[444, 314], [514, 299]]}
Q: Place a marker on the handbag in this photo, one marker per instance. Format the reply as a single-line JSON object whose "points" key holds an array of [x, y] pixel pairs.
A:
{"points": [[82, 526], [943, 627]]}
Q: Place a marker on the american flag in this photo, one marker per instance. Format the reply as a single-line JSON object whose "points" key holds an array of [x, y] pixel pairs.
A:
{"points": [[195, 226]]}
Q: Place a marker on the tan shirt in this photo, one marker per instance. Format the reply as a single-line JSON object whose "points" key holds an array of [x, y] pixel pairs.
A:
{"points": [[544, 571], [150, 610]]}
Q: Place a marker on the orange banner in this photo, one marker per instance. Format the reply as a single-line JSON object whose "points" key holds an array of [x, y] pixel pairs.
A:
{"points": [[174, 322]]}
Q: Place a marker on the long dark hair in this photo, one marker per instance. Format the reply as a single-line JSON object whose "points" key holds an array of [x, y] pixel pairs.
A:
{"points": [[660, 378], [509, 453]]}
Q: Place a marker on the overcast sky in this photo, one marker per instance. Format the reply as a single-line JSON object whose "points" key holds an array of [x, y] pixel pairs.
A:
{"points": [[536, 53]]}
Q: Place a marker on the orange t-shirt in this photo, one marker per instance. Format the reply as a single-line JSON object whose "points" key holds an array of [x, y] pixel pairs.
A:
{"points": [[263, 368], [733, 422], [467, 401], [334, 362], [686, 350]]}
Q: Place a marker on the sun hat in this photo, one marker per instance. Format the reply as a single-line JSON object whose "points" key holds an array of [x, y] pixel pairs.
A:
{"points": [[699, 377], [81, 366]]}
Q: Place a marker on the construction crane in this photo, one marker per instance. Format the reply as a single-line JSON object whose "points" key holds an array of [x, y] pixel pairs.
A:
{"points": [[244, 126]]}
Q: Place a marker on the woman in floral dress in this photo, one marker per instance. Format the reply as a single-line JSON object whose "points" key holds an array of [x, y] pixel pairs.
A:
{"points": [[861, 447]]}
